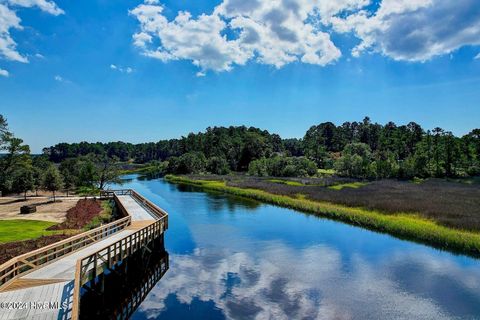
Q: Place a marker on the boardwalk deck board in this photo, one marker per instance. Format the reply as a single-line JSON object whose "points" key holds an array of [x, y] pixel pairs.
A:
{"points": [[37, 287]]}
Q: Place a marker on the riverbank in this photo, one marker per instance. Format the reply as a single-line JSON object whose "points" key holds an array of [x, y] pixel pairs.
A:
{"points": [[402, 225]]}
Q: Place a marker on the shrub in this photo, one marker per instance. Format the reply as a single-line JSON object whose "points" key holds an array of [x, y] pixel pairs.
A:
{"points": [[190, 162], [218, 165], [258, 168], [282, 167]]}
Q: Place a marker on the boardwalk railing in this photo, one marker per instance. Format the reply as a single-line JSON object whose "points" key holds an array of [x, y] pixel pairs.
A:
{"points": [[152, 208], [139, 293], [30, 261], [89, 267]]}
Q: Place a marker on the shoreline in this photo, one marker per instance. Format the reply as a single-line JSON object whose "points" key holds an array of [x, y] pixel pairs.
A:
{"points": [[403, 226]]}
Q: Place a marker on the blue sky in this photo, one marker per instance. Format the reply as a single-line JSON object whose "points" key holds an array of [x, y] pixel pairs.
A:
{"points": [[89, 77]]}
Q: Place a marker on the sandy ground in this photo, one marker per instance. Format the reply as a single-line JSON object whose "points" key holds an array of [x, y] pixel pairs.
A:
{"points": [[10, 208]]}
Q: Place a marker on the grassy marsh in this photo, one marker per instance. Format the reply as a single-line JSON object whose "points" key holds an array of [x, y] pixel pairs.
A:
{"points": [[400, 224]]}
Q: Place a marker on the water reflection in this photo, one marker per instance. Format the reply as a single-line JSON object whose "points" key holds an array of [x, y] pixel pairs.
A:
{"points": [[219, 202], [226, 262], [122, 290], [279, 283]]}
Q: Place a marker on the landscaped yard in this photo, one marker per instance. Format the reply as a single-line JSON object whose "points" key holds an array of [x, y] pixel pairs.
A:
{"points": [[17, 230]]}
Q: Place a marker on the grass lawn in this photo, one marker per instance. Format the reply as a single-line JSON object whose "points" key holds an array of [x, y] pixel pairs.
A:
{"points": [[354, 185], [17, 230]]}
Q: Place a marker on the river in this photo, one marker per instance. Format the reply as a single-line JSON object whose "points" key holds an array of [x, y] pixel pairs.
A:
{"points": [[242, 259]]}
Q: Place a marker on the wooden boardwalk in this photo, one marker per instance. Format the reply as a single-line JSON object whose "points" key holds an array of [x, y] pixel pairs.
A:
{"points": [[31, 289]]}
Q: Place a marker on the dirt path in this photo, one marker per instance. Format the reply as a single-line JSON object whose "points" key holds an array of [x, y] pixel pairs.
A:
{"points": [[46, 210]]}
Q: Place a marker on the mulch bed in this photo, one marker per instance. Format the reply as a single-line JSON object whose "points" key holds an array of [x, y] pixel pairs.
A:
{"points": [[13, 249], [77, 217], [80, 215]]}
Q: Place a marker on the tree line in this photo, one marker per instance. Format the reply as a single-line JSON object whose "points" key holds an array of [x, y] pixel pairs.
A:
{"points": [[363, 150], [356, 149], [21, 172]]}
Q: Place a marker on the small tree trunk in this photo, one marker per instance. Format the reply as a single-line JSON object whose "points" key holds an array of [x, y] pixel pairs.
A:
{"points": [[53, 195], [36, 192], [25, 195]]}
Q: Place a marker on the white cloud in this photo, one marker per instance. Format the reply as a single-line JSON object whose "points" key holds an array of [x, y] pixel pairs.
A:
{"points": [[414, 30], [477, 57], [279, 32], [323, 286], [121, 69], [269, 32], [4, 73], [9, 20], [47, 6]]}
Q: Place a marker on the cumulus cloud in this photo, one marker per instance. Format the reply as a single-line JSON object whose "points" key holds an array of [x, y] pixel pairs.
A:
{"points": [[266, 285], [4, 73], [279, 32], [121, 69], [269, 32], [47, 6], [9, 20], [477, 56], [414, 30]]}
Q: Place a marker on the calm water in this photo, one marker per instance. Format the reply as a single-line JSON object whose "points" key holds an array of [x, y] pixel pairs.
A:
{"points": [[240, 259]]}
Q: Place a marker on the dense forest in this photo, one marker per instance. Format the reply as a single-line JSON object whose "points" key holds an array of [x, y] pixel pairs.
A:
{"points": [[356, 149], [363, 150]]}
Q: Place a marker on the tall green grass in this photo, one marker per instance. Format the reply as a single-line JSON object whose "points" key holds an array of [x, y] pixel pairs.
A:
{"points": [[353, 185], [287, 182], [401, 225]]}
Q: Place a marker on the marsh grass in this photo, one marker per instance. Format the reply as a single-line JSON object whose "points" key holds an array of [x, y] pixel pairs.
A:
{"points": [[402, 225], [287, 182], [354, 185]]}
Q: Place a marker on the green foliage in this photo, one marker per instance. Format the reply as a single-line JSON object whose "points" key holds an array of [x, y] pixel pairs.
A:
{"points": [[23, 179], [53, 180], [218, 165], [258, 168], [190, 162], [87, 191], [287, 182], [403, 151], [154, 169], [279, 166], [353, 185], [105, 216], [355, 161]]}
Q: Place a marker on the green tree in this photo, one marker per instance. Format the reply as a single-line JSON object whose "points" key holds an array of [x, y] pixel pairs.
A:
{"points": [[192, 162], [258, 168], [53, 180], [107, 170], [23, 179], [218, 165], [37, 179], [355, 161]]}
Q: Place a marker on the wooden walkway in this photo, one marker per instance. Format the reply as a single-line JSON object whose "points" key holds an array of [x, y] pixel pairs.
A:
{"points": [[45, 284]]}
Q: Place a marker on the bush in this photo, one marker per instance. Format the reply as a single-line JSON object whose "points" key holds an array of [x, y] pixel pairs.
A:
{"points": [[355, 161], [217, 165], [282, 167], [258, 168], [191, 162]]}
